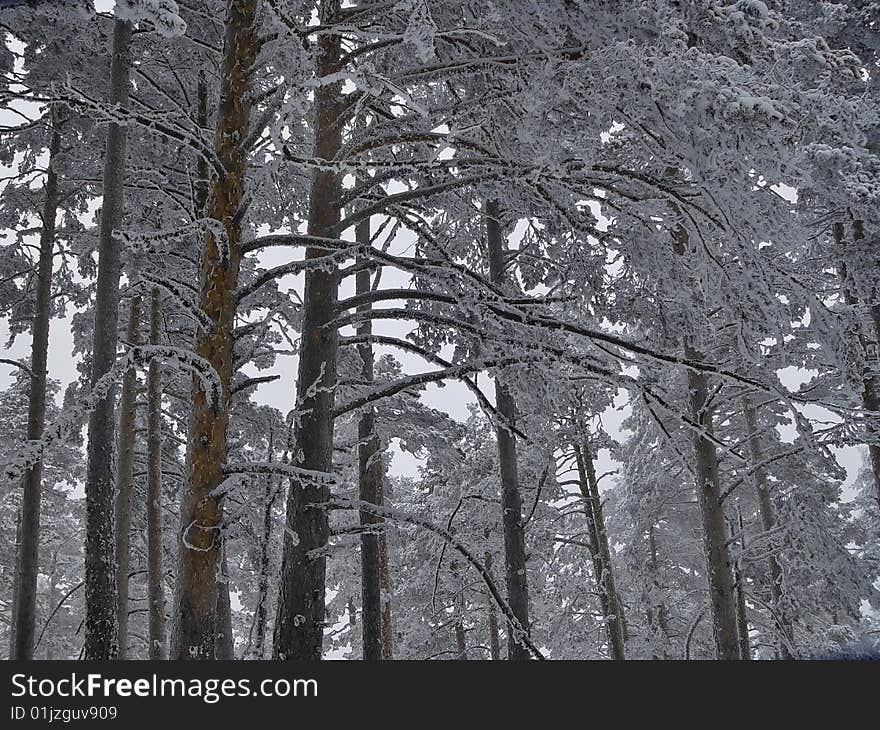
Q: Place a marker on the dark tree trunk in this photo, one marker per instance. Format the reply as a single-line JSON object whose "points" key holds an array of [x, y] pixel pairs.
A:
{"points": [[25, 590], [124, 468], [511, 500], [155, 570], [369, 478], [460, 642], [600, 552], [299, 624], [494, 640], [742, 617], [196, 597]]}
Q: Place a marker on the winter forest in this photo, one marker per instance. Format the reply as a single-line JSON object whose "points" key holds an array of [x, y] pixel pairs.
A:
{"points": [[439, 329]]}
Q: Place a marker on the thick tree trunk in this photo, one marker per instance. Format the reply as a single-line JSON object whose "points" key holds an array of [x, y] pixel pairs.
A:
{"points": [[511, 500], [299, 624], [25, 601], [155, 570], [369, 478], [600, 553], [196, 596], [101, 639], [767, 513], [718, 565], [124, 468]]}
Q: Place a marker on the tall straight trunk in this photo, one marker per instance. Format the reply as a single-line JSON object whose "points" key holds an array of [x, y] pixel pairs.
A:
{"points": [[369, 478], [155, 571], [15, 580], [494, 641], [767, 514], [722, 597], [869, 338], [511, 500], [742, 618], [25, 603], [385, 587], [299, 624], [124, 468], [719, 573], [101, 630], [600, 552], [460, 641], [261, 611], [196, 595]]}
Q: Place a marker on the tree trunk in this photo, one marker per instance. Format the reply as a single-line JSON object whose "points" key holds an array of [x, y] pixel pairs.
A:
{"points": [[659, 621], [299, 625], [600, 552], [385, 587], [15, 580], [25, 603], [261, 610], [742, 618], [718, 565], [155, 571], [494, 642], [369, 478], [767, 513], [511, 501], [196, 596], [224, 647], [125, 462], [460, 641]]}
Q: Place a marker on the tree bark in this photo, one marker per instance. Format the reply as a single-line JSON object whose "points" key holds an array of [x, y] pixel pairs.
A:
{"points": [[124, 467], [196, 596], [742, 618], [155, 570], [27, 563], [299, 624], [385, 587], [511, 500], [600, 553], [261, 611], [369, 478], [494, 641]]}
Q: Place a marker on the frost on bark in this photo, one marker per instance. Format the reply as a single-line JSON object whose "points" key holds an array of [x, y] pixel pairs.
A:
{"points": [[28, 526], [201, 513], [101, 630], [600, 553], [511, 500], [124, 469], [155, 555], [299, 624], [767, 514]]}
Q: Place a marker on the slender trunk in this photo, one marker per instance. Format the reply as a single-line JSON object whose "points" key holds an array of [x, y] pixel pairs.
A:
{"points": [[15, 580], [261, 610], [101, 630], [661, 622], [124, 467], [600, 552], [869, 334], [155, 571], [494, 642], [460, 641], [742, 618], [299, 624], [385, 586], [224, 646], [53, 597], [511, 500], [369, 477], [767, 513], [29, 536], [196, 596]]}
